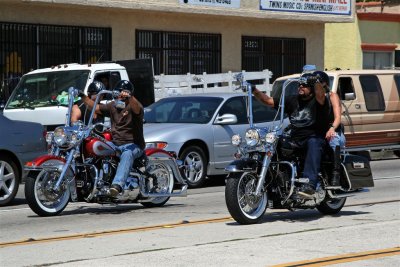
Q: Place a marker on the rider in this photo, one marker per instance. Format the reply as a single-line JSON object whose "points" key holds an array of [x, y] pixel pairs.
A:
{"points": [[301, 110], [126, 115], [80, 111], [329, 125]]}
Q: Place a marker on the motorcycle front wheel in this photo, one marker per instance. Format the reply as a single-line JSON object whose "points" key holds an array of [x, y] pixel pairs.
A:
{"points": [[41, 197], [165, 184], [242, 203]]}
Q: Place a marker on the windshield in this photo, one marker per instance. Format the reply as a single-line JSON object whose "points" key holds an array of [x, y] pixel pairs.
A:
{"points": [[46, 89], [182, 110]]}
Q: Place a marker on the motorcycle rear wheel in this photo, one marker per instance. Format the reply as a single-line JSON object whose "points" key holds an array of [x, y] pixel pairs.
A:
{"points": [[41, 199], [165, 181], [331, 206], [242, 204]]}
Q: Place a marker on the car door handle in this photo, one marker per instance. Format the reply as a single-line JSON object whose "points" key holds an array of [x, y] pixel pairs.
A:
{"points": [[357, 106]]}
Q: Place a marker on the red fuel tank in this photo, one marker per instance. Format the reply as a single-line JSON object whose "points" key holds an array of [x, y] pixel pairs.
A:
{"points": [[98, 148]]}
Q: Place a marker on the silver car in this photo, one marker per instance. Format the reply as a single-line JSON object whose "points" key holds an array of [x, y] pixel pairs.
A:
{"points": [[198, 128], [20, 141]]}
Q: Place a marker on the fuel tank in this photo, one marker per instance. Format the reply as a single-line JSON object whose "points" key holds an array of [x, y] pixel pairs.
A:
{"points": [[98, 148]]}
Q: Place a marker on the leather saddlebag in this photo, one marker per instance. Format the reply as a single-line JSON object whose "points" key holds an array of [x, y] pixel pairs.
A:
{"points": [[358, 171]]}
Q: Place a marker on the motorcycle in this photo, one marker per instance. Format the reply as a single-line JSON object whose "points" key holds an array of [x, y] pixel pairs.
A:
{"points": [[82, 163], [266, 172]]}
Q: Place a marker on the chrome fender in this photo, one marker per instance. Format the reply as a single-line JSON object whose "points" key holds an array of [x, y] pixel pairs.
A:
{"points": [[242, 165]]}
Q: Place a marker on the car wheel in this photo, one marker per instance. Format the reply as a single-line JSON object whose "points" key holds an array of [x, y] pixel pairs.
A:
{"points": [[195, 166], [9, 180]]}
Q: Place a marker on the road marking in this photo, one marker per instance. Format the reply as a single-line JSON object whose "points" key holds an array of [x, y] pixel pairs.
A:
{"points": [[344, 258], [31, 241]]}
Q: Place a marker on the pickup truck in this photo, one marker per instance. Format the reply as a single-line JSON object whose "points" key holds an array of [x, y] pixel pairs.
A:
{"points": [[42, 95], [370, 107]]}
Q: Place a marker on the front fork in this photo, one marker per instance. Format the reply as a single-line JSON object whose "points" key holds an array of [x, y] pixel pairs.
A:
{"points": [[71, 183]]}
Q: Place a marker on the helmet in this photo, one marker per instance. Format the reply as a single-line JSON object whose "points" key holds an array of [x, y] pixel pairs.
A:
{"points": [[124, 85], [95, 87], [308, 80], [322, 76]]}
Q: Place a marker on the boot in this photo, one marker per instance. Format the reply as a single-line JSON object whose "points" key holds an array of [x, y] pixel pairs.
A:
{"points": [[336, 168]]}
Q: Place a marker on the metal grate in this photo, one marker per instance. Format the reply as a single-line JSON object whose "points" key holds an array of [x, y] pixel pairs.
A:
{"points": [[282, 56], [180, 53], [28, 46]]}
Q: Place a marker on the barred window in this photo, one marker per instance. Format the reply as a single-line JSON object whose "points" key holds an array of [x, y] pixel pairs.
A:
{"points": [[30, 46], [179, 52], [282, 56]]}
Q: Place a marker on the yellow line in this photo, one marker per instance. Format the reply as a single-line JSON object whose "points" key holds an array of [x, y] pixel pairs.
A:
{"points": [[110, 232], [374, 254]]}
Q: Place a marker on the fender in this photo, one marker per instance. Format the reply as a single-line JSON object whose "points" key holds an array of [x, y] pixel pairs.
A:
{"points": [[36, 163], [242, 165], [157, 152]]}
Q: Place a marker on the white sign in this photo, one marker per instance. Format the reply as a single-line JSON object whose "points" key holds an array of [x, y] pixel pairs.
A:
{"points": [[215, 3], [331, 7]]}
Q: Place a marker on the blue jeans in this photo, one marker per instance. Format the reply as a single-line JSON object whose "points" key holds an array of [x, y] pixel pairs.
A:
{"points": [[338, 140], [313, 158], [129, 152]]}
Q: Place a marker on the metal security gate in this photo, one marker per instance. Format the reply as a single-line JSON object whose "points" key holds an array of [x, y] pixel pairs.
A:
{"points": [[24, 47], [180, 53], [282, 56]]}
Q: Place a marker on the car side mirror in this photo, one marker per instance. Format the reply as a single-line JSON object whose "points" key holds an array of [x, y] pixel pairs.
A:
{"points": [[349, 96], [226, 119]]}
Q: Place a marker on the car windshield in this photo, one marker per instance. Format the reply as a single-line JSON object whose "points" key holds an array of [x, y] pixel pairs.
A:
{"points": [[46, 89], [182, 110]]}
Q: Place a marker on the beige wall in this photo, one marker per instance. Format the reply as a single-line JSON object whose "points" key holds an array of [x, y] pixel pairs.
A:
{"points": [[124, 23], [342, 46]]}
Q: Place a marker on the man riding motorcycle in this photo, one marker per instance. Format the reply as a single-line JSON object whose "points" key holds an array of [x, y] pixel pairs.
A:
{"points": [[302, 112], [126, 115]]}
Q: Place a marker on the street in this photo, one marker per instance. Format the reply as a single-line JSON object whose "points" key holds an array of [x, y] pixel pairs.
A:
{"points": [[198, 231]]}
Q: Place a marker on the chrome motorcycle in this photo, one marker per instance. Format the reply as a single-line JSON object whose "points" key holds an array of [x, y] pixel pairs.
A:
{"points": [[267, 172], [82, 164]]}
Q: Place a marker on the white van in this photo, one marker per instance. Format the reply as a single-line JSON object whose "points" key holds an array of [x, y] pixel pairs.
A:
{"points": [[370, 106]]}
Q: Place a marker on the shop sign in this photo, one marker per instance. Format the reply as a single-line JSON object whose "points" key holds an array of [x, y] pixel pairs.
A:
{"points": [[214, 3], [331, 7]]}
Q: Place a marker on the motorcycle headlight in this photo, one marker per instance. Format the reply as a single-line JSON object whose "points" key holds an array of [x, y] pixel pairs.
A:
{"points": [[270, 138], [59, 137], [73, 138], [49, 137], [236, 140], [252, 137]]}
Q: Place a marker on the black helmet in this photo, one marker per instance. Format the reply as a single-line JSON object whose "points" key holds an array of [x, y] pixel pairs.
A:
{"points": [[322, 76], [95, 87], [308, 80], [124, 85]]}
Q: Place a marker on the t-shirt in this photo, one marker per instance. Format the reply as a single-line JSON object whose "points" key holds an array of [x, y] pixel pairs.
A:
{"points": [[126, 126], [324, 117], [302, 115]]}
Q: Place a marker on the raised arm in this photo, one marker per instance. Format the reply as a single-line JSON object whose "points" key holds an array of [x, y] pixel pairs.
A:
{"points": [[90, 103], [267, 100]]}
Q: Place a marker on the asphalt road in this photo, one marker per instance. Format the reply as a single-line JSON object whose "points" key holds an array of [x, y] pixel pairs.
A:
{"points": [[198, 231]]}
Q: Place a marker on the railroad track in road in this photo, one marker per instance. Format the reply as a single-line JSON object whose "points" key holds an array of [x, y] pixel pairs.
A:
{"points": [[31, 241]]}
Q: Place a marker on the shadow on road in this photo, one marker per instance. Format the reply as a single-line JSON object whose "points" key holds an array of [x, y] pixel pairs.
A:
{"points": [[301, 216]]}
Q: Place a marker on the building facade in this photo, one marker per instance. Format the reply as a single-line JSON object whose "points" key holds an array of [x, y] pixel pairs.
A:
{"points": [[372, 41], [180, 35]]}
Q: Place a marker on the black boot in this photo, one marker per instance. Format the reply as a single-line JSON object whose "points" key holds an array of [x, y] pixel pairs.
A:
{"points": [[336, 167]]}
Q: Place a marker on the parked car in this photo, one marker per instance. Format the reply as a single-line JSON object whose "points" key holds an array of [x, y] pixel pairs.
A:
{"points": [[198, 128], [20, 142]]}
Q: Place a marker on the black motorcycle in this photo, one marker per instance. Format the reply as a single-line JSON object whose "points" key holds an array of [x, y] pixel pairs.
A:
{"points": [[267, 171]]}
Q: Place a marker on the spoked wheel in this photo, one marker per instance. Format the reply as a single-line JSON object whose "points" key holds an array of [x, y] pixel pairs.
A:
{"points": [[195, 163], [243, 205], [9, 180], [165, 184], [41, 196], [331, 206]]}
